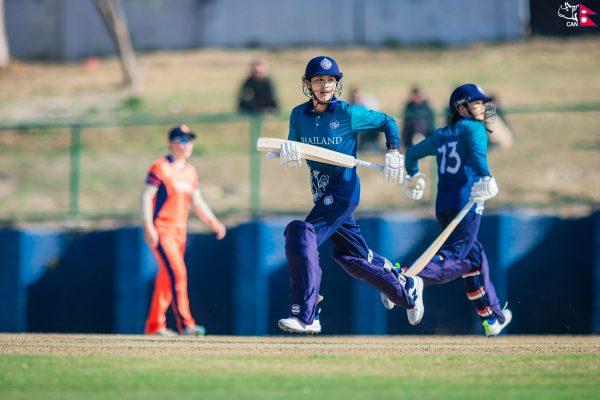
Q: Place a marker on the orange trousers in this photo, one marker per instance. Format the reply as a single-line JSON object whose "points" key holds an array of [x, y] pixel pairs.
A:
{"points": [[170, 286]]}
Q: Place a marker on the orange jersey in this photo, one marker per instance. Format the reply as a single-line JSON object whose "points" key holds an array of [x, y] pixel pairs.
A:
{"points": [[175, 187]]}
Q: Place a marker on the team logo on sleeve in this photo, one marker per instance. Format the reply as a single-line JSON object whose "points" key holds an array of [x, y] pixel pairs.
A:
{"points": [[325, 63], [334, 124]]}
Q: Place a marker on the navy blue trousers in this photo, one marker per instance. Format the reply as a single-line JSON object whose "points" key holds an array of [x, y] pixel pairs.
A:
{"points": [[333, 221], [462, 255]]}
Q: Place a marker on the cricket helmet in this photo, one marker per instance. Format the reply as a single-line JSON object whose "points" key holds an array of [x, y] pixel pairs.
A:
{"points": [[319, 66], [322, 65], [467, 93]]}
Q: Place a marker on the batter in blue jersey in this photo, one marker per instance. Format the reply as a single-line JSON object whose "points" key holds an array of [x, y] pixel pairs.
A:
{"points": [[327, 122], [463, 173]]}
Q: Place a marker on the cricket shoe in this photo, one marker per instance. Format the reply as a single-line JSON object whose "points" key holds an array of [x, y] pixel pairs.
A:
{"points": [[194, 330], [493, 327], [165, 332], [293, 324], [387, 303], [414, 285]]}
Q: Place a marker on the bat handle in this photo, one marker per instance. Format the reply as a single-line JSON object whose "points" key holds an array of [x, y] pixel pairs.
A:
{"points": [[361, 163]]}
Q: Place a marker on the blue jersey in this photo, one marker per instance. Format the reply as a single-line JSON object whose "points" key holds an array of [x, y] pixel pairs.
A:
{"points": [[336, 129], [461, 151]]}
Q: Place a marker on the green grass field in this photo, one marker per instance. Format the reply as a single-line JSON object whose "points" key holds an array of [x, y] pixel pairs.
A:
{"points": [[300, 367]]}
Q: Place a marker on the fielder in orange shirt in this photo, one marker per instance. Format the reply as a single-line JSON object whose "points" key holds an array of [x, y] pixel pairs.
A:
{"points": [[171, 185]]}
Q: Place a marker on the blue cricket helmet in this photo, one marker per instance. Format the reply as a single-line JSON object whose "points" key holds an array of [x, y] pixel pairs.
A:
{"points": [[467, 93], [322, 65], [319, 66]]}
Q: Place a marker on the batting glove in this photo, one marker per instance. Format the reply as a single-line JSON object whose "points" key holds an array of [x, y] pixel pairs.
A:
{"points": [[289, 154], [393, 171], [484, 189], [414, 186]]}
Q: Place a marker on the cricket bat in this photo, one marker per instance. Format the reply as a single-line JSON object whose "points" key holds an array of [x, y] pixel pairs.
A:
{"points": [[315, 153], [433, 248]]}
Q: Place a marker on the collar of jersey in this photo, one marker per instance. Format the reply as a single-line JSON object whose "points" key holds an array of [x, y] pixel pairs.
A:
{"points": [[310, 108], [463, 118]]}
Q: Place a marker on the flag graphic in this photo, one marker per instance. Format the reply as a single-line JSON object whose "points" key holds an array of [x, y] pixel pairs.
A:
{"points": [[584, 13]]}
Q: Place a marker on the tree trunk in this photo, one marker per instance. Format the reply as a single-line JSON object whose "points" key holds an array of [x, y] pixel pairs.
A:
{"points": [[4, 52], [114, 17]]}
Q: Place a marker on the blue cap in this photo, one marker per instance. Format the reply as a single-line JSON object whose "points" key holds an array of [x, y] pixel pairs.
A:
{"points": [[467, 93], [181, 131], [322, 65]]}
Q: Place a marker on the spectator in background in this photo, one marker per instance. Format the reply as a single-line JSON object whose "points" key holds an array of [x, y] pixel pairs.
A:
{"points": [[257, 94], [419, 119], [367, 141]]}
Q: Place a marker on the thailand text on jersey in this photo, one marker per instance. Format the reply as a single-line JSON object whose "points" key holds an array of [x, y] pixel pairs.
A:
{"points": [[461, 151], [336, 129], [175, 187]]}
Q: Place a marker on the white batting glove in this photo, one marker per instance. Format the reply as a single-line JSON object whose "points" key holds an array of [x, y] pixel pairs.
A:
{"points": [[479, 207], [485, 189], [415, 186], [289, 154], [393, 171]]}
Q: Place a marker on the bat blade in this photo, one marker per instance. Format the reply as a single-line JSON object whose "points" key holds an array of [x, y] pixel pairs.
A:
{"points": [[309, 152], [434, 247]]}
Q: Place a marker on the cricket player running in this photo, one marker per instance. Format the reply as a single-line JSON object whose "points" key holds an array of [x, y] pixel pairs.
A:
{"points": [[463, 174], [171, 184], [327, 122]]}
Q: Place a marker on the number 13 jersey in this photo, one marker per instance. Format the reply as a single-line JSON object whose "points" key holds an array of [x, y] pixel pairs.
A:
{"points": [[461, 152]]}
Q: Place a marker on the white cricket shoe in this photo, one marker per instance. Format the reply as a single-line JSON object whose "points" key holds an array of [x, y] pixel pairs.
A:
{"points": [[493, 327], [415, 315], [387, 303], [194, 330], [164, 332], [293, 324]]}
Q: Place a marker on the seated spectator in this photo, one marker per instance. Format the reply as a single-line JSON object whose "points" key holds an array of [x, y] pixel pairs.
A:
{"points": [[419, 119], [257, 94]]}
